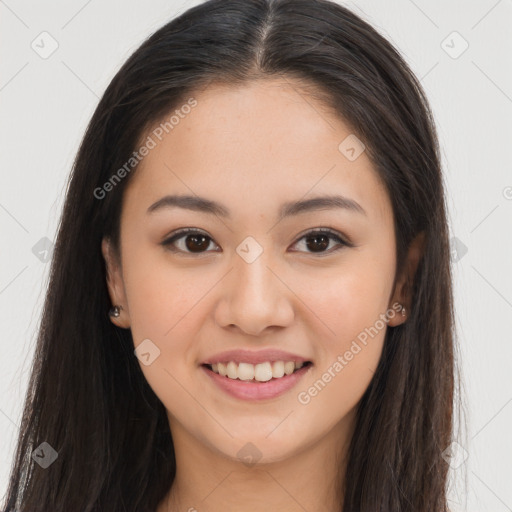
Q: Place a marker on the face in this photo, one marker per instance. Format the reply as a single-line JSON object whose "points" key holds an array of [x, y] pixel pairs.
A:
{"points": [[246, 277]]}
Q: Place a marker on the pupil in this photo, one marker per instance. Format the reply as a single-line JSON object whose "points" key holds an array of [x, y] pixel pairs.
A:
{"points": [[195, 244], [315, 238]]}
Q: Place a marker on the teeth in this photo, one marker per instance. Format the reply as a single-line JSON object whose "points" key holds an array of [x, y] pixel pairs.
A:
{"points": [[277, 369], [222, 369], [245, 371], [289, 367], [231, 370], [261, 372]]}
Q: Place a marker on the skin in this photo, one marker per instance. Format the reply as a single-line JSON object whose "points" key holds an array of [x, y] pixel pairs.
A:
{"points": [[253, 148]]}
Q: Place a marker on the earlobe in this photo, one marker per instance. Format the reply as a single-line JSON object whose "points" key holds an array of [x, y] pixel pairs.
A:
{"points": [[118, 312], [403, 289]]}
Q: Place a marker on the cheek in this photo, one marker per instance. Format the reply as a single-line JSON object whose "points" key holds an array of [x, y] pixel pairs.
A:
{"points": [[339, 384], [349, 298], [349, 301], [349, 352], [162, 298], [165, 305]]}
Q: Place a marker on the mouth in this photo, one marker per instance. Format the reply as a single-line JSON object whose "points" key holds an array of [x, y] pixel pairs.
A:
{"points": [[260, 373], [260, 385]]}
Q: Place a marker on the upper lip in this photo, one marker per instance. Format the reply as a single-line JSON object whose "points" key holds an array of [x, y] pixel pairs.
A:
{"points": [[254, 357]]}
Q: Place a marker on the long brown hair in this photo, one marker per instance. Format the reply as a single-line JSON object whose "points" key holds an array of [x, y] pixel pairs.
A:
{"points": [[87, 396]]}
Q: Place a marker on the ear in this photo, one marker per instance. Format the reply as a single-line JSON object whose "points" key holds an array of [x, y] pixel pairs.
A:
{"points": [[115, 284], [402, 293]]}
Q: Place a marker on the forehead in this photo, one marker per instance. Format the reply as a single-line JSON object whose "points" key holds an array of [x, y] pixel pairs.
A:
{"points": [[263, 142]]}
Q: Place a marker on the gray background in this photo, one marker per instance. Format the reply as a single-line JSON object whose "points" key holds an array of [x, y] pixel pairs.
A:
{"points": [[47, 102]]}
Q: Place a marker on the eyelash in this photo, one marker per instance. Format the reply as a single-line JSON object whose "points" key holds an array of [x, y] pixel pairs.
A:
{"points": [[332, 234]]}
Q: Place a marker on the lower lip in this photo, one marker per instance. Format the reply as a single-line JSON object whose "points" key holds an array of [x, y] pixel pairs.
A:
{"points": [[250, 390]]}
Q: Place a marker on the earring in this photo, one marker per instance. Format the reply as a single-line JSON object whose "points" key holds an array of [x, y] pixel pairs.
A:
{"points": [[403, 311], [115, 311]]}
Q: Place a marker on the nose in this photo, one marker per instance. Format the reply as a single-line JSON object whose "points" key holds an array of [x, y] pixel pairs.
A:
{"points": [[254, 297]]}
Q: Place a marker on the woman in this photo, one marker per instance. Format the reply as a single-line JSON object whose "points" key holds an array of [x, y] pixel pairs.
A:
{"points": [[250, 302]]}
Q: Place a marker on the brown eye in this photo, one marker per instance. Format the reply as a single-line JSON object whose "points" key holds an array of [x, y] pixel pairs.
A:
{"points": [[196, 242], [188, 241], [318, 241]]}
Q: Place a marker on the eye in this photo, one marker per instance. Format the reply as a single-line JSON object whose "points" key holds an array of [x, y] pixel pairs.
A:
{"points": [[193, 241], [317, 241]]}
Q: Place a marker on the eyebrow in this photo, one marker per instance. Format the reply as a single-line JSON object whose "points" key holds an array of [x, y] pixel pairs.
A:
{"points": [[203, 205]]}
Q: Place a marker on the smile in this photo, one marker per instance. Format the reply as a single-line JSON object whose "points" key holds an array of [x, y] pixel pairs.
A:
{"points": [[256, 382]]}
